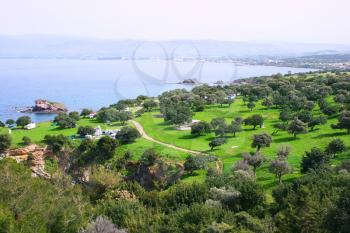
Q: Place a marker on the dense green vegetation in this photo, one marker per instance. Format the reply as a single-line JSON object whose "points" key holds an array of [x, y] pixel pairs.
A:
{"points": [[268, 155]]}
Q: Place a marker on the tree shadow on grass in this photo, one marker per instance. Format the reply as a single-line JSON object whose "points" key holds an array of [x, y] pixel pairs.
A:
{"points": [[210, 139], [287, 139], [164, 123], [190, 136], [56, 129], [328, 135], [245, 111]]}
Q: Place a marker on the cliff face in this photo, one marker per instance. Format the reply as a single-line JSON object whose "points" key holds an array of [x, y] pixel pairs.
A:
{"points": [[48, 106], [35, 155]]}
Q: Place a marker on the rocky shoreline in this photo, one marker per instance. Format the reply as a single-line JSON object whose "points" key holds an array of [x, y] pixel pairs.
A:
{"points": [[45, 106]]}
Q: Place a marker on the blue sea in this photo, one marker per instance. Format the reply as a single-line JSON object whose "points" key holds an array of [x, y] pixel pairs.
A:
{"points": [[97, 83]]}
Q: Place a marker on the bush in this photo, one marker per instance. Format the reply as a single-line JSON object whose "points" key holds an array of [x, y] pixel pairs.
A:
{"points": [[64, 121], [5, 142], [314, 159], [127, 135], [200, 128], [26, 140], [217, 142], [255, 120], [335, 146], [74, 115], [86, 130], [86, 112]]}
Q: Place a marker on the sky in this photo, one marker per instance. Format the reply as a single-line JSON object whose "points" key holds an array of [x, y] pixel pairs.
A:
{"points": [[310, 21]]}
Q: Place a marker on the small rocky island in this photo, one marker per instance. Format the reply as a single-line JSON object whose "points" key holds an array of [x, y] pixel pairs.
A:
{"points": [[190, 81], [45, 106]]}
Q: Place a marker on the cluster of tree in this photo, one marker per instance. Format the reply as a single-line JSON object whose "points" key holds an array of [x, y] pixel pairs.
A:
{"points": [[66, 121], [20, 122], [221, 128], [113, 115]]}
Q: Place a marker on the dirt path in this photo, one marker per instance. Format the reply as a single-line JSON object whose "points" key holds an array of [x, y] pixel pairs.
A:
{"points": [[139, 127]]}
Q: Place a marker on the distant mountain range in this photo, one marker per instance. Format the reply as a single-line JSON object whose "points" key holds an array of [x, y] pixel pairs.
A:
{"points": [[82, 48]]}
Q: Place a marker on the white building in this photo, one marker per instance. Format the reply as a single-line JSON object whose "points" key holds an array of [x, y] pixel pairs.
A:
{"points": [[30, 126], [98, 131]]}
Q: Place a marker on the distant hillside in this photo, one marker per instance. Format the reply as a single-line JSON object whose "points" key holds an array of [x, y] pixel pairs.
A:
{"points": [[66, 47]]}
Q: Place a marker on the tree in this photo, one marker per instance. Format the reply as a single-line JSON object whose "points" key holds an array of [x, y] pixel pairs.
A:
{"points": [[86, 112], [221, 130], [123, 116], [178, 114], [330, 110], [297, 127], [235, 127], [217, 122], [280, 165], [64, 121], [149, 157], [285, 116], [338, 217], [314, 159], [86, 130], [320, 120], [5, 142], [149, 104], [251, 105], [107, 114], [267, 102], [261, 140], [10, 122], [56, 142], [305, 116], [23, 121], [217, 142], [127, 135], [2, 125], [200, 128], [255, 161], [343, 121], [105, 148], [191, 164], [26, 140], [74, 115], [254, 120], [335, 146]]}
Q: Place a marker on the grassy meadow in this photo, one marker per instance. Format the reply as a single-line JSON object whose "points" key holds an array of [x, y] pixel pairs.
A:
{"points": [[230, 152]]}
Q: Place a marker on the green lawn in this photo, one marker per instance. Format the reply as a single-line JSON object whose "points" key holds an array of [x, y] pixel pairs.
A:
{"points": [[231, 152], [137, 148], [47, 128], [228, 153]]}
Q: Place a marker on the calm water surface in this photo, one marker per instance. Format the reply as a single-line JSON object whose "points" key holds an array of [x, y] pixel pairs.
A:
{"points": [[96, 83]]}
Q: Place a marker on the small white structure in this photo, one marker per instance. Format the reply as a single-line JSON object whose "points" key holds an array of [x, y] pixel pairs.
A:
{"points": [[92, 115], [98, 131], [30, 126], [186, 126], [110, 132]]}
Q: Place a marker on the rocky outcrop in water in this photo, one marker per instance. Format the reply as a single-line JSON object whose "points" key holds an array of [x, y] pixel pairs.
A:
{"points": [[190, 81], [45, 106]]}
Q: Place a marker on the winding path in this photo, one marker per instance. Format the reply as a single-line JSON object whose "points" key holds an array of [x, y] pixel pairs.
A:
{"points": [[141, 130]]}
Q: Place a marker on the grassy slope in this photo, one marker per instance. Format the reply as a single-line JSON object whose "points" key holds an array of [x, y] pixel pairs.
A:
{"points": [[156, 128]]}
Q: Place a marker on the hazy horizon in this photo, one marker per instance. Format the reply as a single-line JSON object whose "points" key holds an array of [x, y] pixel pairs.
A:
{"points": [[315, 22]]}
